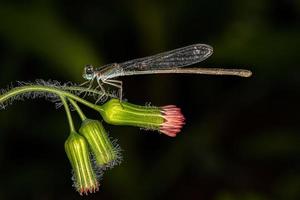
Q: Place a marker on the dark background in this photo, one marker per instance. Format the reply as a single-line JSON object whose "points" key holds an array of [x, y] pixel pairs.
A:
{"points": [[241, 139]]}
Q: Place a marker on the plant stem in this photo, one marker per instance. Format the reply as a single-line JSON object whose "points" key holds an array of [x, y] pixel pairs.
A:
{"points": [[82, 89], [39, 88], [69, 116], [77, 108]]}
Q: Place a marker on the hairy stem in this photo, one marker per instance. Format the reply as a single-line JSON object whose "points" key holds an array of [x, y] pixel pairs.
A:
{"points": [[39, 88], [81, 89], [77, 108], [69, 116]]}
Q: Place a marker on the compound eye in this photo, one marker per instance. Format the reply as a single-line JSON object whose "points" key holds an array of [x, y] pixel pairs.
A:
{"points": [[89, 69]]}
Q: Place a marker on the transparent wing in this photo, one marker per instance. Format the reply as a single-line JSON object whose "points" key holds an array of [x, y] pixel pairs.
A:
{"points": [[176, 58]]}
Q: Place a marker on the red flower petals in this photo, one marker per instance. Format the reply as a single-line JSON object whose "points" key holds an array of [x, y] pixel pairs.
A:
{"points": [[174, 120], [86, 191]]}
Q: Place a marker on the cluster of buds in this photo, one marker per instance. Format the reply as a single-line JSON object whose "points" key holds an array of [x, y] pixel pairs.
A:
{"points": [[92, 139]]}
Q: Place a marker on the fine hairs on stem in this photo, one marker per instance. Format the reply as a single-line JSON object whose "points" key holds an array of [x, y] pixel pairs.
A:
{"points": [[43, 89], [68, 112]]}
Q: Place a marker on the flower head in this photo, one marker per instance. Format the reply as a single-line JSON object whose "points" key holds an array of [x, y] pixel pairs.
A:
{"points": [[78, 154], [168, 119], [174, 120], [106, 153]]}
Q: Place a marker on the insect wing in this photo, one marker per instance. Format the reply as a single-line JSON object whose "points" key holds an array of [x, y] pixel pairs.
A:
{"points": [[175, 58]]}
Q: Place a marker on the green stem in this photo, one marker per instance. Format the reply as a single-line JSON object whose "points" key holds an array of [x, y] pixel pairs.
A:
{"points": [[77, 108], [69, 116], [39, 88], [83, 89]]}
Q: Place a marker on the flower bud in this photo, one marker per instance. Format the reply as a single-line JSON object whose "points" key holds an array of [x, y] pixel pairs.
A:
{"points": [[168, 119], [78, 154], [106, 154]]}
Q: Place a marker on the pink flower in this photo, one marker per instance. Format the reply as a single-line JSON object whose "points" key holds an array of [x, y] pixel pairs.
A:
{"points": [[167, 119], [173, 120]]}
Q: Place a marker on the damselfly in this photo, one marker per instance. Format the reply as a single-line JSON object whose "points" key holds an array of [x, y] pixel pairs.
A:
{"points": [[166, 62]]}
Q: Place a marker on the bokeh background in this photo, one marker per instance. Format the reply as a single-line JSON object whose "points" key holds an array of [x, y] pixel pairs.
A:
{"points": [[241, 139]]}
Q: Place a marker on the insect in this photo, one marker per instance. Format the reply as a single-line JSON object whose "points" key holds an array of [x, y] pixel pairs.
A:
{"points": [[166, 62]]}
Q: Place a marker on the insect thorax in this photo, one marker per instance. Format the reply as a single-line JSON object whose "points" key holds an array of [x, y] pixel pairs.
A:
{"points": [[108, 71]]}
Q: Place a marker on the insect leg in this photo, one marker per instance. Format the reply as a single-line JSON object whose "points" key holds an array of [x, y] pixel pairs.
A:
{"points": [[90, 86], [84, 83], [102, 90], [116, 83]]}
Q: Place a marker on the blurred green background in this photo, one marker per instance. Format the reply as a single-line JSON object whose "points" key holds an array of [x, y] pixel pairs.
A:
{"points": [[241, 139]]}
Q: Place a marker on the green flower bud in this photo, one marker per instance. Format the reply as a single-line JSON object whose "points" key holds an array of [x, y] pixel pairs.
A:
{"points": [[167, 119], [78, 154], [106, 153]]}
